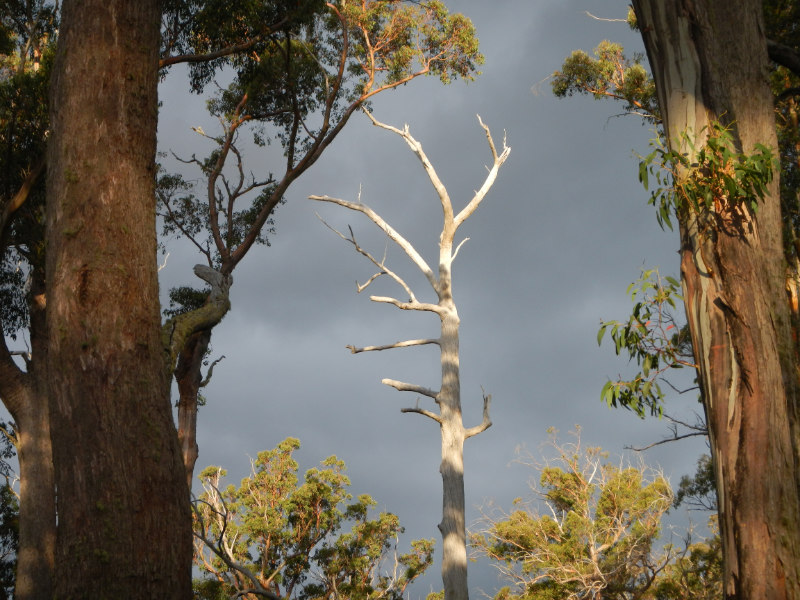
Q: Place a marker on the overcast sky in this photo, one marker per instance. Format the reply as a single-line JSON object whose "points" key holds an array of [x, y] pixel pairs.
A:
{"points": [[552, 249]]}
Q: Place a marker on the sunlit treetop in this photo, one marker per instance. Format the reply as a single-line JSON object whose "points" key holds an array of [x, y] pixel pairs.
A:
{"points": [[299, 74], [610, 74]]}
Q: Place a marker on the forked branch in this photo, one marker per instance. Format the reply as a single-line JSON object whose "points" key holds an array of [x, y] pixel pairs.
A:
{"points": [[398, 239]]}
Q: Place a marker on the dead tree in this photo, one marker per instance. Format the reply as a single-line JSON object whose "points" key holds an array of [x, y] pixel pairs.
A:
{"points": [[448, 398]]}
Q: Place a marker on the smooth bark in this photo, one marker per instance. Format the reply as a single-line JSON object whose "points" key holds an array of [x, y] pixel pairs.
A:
{"points": [[448, 397], [124, 526], [709, 61]]}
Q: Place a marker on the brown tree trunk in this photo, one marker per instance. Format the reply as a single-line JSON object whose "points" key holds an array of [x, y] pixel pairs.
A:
{"points": [[26, 401], [709, 62], [37, 499], [124, 526], [189, 378]]}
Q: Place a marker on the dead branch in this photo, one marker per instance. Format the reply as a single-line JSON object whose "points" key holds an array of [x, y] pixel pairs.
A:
{"points": [[401, 386], [416, 148], [406, 344], [398, 239], [487, 421], [497, 162], [384, 270], [424, 306], [422, 411]]}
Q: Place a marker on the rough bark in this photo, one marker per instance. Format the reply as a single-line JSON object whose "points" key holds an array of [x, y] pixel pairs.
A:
{"points": [[709, 61], [188, 377], [124, 526], [25, 398], [186, 338]]}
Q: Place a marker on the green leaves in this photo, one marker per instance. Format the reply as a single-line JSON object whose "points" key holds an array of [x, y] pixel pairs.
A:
{"points": [[283, 531], [592, 533], [714, 180], [652, 338], [609, 75]]}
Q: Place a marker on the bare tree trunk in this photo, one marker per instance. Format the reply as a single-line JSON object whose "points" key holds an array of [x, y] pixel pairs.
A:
{"points": [[124, 525], [453, 526], [448, 398], [709, 62]]}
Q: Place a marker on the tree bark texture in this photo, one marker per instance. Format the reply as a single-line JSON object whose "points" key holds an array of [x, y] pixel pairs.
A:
{"points": [[124, 525], [37, 501], [25, 397], [452, 526], [189, 378], [709, 61]]}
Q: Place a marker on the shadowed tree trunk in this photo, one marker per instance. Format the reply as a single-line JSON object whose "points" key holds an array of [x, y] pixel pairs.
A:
{"points": [[709, 62], [124, 525], [24, 395], [188, 375]]}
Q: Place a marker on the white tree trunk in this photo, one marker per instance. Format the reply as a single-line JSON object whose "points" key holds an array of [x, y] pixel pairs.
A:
{"points": [[448, 398]]}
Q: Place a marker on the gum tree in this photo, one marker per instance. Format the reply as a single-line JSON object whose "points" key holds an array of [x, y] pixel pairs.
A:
{"points": [[124, 524], [298, 89], [448, 396], [591, 535], [276, 537], [716, 98], [25, 61], [710, 66]]}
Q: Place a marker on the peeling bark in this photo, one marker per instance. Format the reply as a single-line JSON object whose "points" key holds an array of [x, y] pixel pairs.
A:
{"points": [[709, 61]]}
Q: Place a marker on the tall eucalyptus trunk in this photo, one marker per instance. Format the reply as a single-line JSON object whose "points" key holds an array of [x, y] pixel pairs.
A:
{"points": [[709, 62], [124, 526]]}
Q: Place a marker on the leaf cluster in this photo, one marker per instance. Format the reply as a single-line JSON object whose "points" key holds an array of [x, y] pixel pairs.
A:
{"points": [[712, 179], [652, 338], [25, 64], [696, 574], [609, 74], [394, 40], [595, 535], [700, 490], [294, 537]]}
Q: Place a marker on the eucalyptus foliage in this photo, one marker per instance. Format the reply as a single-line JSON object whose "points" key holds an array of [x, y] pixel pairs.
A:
{"points": [[706, 180], [282, 537], [591, 535], [653, 338]]}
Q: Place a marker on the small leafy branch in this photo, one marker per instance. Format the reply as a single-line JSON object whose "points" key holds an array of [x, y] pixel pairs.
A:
{"points": [[714, 179], [653, 338]]}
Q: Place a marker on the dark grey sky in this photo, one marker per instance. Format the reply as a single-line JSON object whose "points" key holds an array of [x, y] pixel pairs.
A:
{"points": [[563, 232]]}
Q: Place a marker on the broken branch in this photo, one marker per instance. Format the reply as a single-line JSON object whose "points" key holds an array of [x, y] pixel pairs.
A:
{"points": [[406, 344], [402, 386], [486, 423]]}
